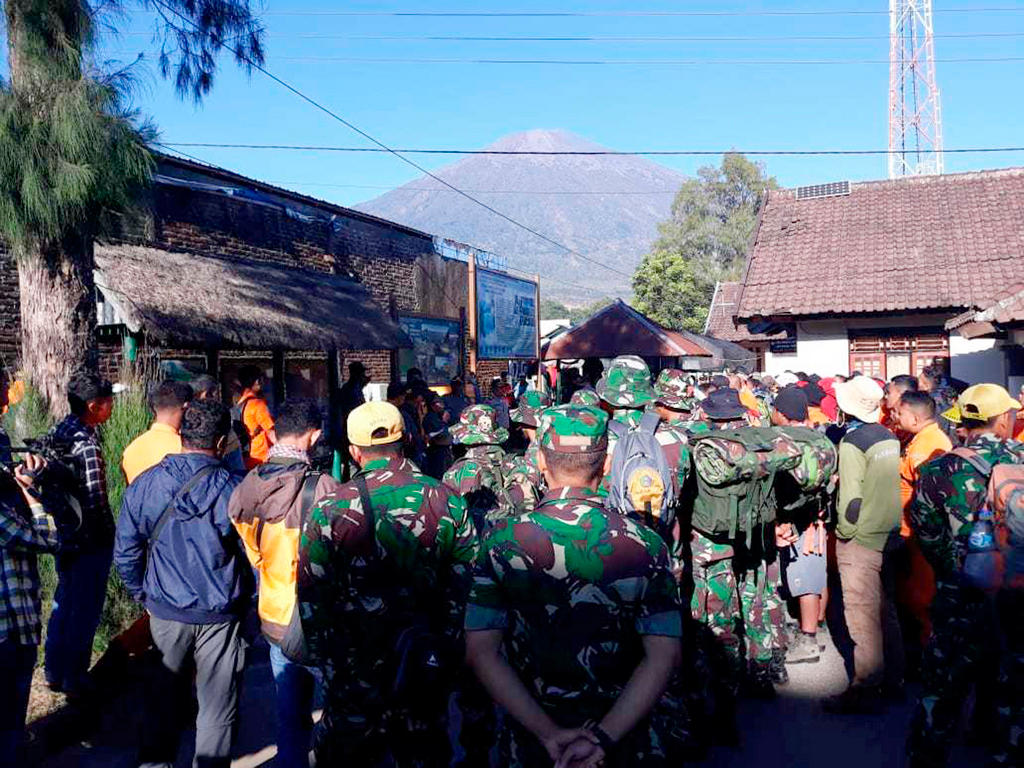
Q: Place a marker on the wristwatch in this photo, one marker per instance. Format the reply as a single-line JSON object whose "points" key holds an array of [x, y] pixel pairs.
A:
{"points": [[603, 739]]}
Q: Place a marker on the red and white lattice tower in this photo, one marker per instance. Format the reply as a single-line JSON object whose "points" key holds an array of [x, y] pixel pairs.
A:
{"points": [[915, 114]]}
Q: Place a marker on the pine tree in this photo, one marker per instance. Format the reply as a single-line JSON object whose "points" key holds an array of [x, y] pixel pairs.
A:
{"points": [[72, 151]]}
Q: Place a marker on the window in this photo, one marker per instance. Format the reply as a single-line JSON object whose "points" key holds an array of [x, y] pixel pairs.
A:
{"points": [[902, 351]]}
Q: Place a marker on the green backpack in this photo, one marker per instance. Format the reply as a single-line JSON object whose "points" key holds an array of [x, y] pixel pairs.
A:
{"points": [[815, 475], [736, 471]]}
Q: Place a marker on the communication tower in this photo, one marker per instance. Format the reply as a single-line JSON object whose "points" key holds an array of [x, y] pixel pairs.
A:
{"points": [[915, 114]]}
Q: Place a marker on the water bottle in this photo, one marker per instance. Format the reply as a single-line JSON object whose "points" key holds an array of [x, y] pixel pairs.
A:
{"points": [[981, 563]]}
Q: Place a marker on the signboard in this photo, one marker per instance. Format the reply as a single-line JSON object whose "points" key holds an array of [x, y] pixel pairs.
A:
{"points": [[506, 316], [783, 346], [436, 347]]}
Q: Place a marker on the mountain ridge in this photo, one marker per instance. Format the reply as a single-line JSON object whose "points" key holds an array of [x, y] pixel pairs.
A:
{"points": [[606, 207]]}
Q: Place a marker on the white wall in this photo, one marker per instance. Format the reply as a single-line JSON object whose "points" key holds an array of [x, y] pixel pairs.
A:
{"points": [[821, 347], [977, 360]]}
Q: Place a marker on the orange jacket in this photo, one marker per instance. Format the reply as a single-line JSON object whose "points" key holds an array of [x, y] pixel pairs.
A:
{"points": [[926, 445], [258, 423]]}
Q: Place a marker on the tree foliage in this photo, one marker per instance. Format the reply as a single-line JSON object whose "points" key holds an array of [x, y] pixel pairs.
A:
{"points": [[704, 241], [550, 309], [73, 150]]}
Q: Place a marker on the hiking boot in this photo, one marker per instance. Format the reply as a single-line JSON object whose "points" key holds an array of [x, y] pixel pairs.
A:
{"points": [[855, 700], [757, 683], [805, 649], [780, 675], [824, 636]]}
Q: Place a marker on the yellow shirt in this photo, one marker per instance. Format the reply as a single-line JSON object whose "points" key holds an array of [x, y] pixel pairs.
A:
{"points": [[148, 449]]}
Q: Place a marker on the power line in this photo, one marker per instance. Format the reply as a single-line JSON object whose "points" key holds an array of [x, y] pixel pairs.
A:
{"points": [[478, 191], [632, 13], [396, 153], [440, 286], [614, 38], [581, 153], [631, 62]]}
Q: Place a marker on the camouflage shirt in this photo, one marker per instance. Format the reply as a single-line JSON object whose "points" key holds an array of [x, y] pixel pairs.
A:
{"points": [[524, 482], [672, 439], [355, 590], [949, 487], [479, 477], [575, 586]]}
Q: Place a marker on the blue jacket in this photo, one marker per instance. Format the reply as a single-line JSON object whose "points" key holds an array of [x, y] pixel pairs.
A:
{"points": [[196, 572]]}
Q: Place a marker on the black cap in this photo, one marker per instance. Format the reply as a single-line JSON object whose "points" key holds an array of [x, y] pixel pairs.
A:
{"points": [[814, 393], [723, 404], [720, 381], [791, 402]]}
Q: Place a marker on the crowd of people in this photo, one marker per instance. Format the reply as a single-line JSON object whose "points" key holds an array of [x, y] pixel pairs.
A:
{"points": [[514, 581]]}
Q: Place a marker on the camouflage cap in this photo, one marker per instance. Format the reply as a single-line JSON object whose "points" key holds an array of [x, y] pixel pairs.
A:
{"points": [[585, 396], [478, 425], [574, 429], [530, 405], [626, 383], [670, 390]]}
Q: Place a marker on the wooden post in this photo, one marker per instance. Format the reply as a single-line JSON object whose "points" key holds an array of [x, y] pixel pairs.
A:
{"points": [[334, 422], [472, 313], [278, 363], [536, 309]]}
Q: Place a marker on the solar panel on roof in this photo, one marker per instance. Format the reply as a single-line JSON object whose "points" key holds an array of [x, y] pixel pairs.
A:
{"points": [[832, 189]]}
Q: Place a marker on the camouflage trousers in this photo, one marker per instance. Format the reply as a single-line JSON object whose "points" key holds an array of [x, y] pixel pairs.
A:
{"points": [[715, 601], [975, 642], [759, 579], [359, 727]]}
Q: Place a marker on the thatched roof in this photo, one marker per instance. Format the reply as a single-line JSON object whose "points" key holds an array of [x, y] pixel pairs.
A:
{"points": [[210, 301]]}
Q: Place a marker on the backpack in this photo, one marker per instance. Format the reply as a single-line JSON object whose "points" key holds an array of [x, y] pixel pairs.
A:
{"points": [[238, 425], [814, 477], [490, 500], [640, 479], [1005, 500], [736, 470]]}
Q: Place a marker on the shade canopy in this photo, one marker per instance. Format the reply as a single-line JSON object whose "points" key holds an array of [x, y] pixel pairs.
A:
{"points": [[220, 302]]}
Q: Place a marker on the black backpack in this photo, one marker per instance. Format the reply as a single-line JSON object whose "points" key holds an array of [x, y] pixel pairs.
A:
{"points": [[238, 425]]}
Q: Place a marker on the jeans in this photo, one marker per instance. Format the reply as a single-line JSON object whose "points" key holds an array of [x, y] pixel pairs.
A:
{"points": [[217, 653], [296, 688], [77, 605], [16, 664]]}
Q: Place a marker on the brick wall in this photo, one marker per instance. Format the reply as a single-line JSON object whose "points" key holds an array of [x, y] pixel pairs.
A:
{"points": [[10, 311]]}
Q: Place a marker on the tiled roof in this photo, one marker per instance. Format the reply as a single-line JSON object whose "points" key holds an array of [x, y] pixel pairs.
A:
{"points": [[927, 242], [1007, 308], [721, 322]]}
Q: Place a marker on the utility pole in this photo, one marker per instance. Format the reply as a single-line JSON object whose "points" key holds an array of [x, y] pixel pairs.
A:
{"points": [[915, 114]]}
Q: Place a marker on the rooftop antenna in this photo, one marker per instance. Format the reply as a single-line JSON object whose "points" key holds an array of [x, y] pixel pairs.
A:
{"points": [[915, 114]]}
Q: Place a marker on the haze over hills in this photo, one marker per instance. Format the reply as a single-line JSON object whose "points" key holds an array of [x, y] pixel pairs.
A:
{"points": [[607, 207]]}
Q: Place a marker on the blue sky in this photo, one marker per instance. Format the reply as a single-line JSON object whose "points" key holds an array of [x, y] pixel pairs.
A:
{"points": [[628, 106]]}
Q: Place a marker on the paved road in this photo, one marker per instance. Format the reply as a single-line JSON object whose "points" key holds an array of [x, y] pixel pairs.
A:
{"points": [[790, 732]]}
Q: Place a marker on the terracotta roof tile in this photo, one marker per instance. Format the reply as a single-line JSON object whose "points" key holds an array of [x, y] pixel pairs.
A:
{"points": [[908, 244], [721, 322]]}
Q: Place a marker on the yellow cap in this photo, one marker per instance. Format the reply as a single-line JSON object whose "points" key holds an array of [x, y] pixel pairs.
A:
{"points": [[952, 414], [985, 401], [374, 423]]}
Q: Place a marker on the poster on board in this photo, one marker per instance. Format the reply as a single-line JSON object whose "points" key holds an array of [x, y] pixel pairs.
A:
{"points": [[436, 343], [506, 316]]}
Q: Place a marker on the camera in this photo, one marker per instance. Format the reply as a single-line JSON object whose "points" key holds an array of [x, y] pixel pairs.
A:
{"points": [[55, 485]]}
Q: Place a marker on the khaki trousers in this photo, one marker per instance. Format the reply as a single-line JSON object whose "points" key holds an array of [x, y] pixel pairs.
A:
{"points": [[868, 586]]}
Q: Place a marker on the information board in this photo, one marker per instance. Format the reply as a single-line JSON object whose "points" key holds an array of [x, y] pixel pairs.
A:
{"points": [[506, 316], [436, 345]]}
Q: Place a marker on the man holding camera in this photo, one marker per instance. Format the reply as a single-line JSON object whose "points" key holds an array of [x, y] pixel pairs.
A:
{"points": [[26, 528], [84, 562]]}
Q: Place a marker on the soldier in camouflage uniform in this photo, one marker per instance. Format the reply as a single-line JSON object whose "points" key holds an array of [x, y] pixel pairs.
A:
{"points": [[966, 640], [478, 476], [579, 595], [363, 579], [673, 403], [524, 483], [585, 396]]}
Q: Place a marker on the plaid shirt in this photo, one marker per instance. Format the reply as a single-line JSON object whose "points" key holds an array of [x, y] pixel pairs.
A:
{"points": [[20, 540], [97, 523]]}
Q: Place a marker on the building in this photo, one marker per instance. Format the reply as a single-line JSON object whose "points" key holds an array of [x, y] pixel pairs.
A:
{"points": [[721, 324], [869, 275], [218, 270]]}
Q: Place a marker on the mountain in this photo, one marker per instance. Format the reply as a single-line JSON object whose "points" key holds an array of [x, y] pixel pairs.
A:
{"points": [[577, 201]]}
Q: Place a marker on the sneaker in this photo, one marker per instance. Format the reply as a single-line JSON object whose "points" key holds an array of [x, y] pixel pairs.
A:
{"points": [[855, 700], [804, 650]]}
